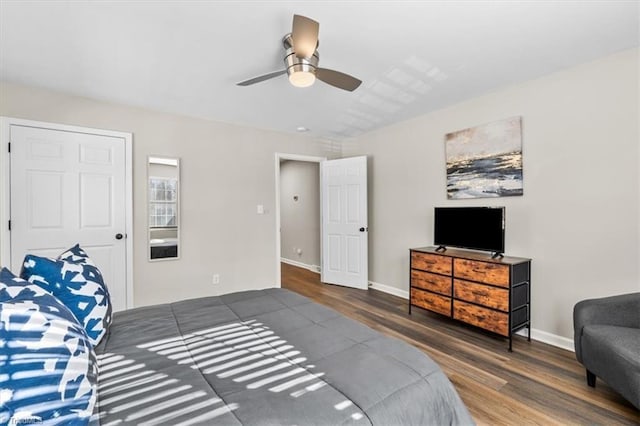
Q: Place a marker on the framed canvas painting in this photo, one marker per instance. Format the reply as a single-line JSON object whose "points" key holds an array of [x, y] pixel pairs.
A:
{"points": [[485, 161]]}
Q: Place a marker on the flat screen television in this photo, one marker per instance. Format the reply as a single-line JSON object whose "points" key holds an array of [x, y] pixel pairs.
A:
{"points": [[477, 228]]}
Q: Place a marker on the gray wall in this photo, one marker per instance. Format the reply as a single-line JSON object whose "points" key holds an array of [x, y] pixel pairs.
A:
{"points": [[578, 219], [225, 171], [300, 220]]}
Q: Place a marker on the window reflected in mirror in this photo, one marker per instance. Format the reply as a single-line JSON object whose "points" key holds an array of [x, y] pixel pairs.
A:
{"points": [[163, 207]]}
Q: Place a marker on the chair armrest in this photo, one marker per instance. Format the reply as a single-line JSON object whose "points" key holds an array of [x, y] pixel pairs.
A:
{"points": [[622, 310]]}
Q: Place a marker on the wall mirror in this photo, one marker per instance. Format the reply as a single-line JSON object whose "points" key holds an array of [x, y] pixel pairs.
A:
{"points": [[163, 207]]}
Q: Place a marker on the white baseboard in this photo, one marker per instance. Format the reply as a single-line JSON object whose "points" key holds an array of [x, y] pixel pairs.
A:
{"points": [[549, 338], [538, 335], [312, 268], [388, 289]]}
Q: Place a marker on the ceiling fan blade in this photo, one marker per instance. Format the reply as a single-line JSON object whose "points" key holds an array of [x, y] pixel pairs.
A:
{"points": [[258, 79], [338, 79], [305, 36]]}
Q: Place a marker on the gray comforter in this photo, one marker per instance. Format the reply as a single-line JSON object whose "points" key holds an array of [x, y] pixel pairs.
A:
{"points": [[265, 357]]}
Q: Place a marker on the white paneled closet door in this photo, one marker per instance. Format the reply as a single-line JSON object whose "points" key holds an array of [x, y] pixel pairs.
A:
{"points": [[69, 187]]}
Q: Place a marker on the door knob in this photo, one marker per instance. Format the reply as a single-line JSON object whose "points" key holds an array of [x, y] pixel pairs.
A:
{"points": [[119, 236], [363, 229]]}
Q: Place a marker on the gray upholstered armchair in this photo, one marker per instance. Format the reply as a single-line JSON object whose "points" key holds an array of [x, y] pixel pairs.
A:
{"points": [[607, 342]]}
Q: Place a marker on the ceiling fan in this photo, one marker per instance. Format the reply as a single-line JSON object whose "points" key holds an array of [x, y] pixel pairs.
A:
{"points": [[301, 59]]}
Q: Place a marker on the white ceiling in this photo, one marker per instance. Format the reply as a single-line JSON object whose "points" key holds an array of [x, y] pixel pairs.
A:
{"points": [[413, 57]]}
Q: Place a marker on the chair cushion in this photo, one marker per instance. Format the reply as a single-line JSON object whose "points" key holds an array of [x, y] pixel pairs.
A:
{"points": [[49, 369], [76, 281], [613, 354]]}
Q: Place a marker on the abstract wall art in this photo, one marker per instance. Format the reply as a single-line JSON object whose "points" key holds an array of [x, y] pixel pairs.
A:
{"points": [[485, 161]]}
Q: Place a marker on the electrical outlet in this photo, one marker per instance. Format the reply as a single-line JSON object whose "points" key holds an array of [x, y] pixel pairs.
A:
{"points": [[216, 279]]}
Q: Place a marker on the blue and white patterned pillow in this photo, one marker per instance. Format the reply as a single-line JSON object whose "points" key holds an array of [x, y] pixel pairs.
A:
{"points": [[48, 369], [76, 281]]}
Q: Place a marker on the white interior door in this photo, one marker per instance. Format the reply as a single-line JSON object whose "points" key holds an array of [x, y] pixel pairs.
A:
{"points": [[66, 188], [343, 184]]}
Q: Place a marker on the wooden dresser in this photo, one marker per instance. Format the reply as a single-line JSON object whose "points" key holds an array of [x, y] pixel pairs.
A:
{"points": [[493, 294]]}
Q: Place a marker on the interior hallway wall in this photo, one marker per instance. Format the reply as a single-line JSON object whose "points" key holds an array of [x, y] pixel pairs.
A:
{"points": [[300, 212]]}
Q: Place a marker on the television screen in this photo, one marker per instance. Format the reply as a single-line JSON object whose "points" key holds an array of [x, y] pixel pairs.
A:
{"points": [[479, 228]]}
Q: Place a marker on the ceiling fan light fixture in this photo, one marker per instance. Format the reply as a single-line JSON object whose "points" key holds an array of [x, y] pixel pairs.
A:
{"points": [[301, 71], [302, 78]]}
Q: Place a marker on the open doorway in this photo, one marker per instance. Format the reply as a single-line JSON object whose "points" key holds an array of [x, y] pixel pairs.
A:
{"points": [[300, 214], [298, 233]]}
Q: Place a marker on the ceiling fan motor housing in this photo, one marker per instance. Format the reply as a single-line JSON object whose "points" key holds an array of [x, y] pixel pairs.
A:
{"points": [[294, 63]]}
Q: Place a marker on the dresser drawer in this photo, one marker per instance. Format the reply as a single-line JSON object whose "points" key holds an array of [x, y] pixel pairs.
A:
{"points": [[431, 263], [431, 301], [486, 318], [492, 297], [433, 282], [484, 272]]}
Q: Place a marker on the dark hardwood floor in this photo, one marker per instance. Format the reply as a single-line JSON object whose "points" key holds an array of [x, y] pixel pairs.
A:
{"points": [[534, 384]]}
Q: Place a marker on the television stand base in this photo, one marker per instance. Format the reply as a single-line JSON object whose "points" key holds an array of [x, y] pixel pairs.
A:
{"points": [[441, 249], [497, 255]]}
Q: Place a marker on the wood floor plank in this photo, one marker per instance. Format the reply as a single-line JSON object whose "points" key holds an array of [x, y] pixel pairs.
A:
{"points": [[535, 384]]}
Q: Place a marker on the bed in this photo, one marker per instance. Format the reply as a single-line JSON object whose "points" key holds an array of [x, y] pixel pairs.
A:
{"points": [[264, 357]]}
